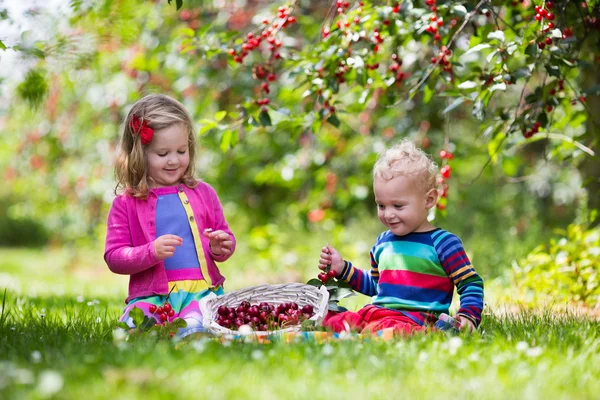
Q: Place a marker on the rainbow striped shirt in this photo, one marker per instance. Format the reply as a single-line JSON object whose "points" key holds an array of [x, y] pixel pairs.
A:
{"points": [[416, 274]]}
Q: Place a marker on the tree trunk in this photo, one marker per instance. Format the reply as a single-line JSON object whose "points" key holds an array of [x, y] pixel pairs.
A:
{"points": [[590, 168]]}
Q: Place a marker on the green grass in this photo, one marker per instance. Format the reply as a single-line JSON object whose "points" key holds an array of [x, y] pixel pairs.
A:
{"points": [[56, 341], [65, 346]]}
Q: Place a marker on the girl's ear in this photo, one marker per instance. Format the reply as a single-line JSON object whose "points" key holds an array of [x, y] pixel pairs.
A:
{"points": [[431, 198]]}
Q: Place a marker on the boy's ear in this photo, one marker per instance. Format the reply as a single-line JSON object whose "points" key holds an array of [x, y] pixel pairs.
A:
{"points": [[431, 198]]}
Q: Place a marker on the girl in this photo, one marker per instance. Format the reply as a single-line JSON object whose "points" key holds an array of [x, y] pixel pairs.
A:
{"points": [[165, 229]]}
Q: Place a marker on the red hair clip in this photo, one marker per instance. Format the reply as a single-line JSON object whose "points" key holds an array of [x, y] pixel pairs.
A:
{"points": [[141, 128]]}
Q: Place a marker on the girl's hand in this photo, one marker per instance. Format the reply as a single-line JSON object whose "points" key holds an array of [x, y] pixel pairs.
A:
{"points": [[465, 323], [220, 242], [330, 256], [164, 246]]}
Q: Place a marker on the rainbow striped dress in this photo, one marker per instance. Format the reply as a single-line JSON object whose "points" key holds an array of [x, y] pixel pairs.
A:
{"points": [[187, 285], [416, 274]]}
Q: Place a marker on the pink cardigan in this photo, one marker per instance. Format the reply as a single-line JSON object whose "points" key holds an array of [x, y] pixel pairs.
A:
{"points": [[131, 230]]}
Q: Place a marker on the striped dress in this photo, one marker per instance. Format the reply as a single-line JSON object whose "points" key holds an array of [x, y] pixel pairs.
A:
{"points": [[416, 274], [187, 284]]}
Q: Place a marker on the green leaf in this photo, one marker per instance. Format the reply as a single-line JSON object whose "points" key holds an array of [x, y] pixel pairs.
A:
{"points": [[179, 3], [178, 323], [494, 146], [553, 70], [137, 315], [468, 85], [225, 141], [220, 115], [264, 118], [521, 73], [206, 125], [123, 325], [459, 10], [499, 35], [498, 86], [314, 282], [146, 324], [2, 46], [478, 47], [453, 105], [341, 293], [427, 94], [532, 50], [333, 306], [333, 120]]}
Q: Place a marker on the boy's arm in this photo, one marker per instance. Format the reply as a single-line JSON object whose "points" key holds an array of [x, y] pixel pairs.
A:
{"points": [[469, 284], [364, 282], [119, 253]]}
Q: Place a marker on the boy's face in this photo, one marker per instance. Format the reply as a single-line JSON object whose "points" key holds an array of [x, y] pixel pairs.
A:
{"points": [[402, 205]]}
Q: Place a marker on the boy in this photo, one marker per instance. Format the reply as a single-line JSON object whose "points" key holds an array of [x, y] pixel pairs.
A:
{"points": [[414, 265]]}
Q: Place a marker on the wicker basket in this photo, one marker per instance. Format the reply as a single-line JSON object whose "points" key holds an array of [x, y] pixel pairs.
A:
{"points": [[299, 293]]}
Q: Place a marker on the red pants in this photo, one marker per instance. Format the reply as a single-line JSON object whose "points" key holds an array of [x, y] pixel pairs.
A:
{"points": [[371, 319]]}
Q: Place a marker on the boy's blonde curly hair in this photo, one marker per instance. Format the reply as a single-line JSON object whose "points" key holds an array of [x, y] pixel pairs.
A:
{"points": [[406, 159], [159, 112]]}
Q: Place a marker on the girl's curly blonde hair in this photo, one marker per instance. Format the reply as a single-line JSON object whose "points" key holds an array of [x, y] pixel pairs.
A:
{"points": [[406, 159], [159, 112]]}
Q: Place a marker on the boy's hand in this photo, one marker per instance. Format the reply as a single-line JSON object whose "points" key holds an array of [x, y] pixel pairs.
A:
{"points": [[164, 246], [330, 256], [465, 323], [220, 242]]}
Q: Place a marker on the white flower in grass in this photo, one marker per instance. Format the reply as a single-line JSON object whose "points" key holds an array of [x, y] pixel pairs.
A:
{"points": [[36, 356], [534, 352], [98, 320], [257, 354], [93, 302], [80, 299], [199, 345], [119, 335], [327, 350], [423, 356], [42, 313], [24, 376], [454, 344], [522, 346], [50, 383]]}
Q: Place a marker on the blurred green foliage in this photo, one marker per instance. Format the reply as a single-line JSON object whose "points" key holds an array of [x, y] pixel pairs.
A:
{"points": [[294, 175], [563, 271]]}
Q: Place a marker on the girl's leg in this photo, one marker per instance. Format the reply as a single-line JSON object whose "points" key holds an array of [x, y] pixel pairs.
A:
{"points": [[143, 303]]}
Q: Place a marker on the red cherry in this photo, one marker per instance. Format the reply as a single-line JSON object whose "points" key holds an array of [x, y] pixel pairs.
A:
{"points": [[307, 309], [152, 308], [163, 317], [159, 310], [167, 307], [271, 77], [549, 4], [332, 273], [548, 41], [446, 171], [550, 16], [171, 313]]}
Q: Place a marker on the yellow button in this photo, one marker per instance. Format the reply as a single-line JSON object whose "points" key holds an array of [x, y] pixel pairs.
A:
{"points": [[191, 219], [180, 188], [186, 201]]}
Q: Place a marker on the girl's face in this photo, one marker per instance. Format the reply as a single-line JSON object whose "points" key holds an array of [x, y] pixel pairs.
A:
{"points": [[168, 156], [402, 206]]}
